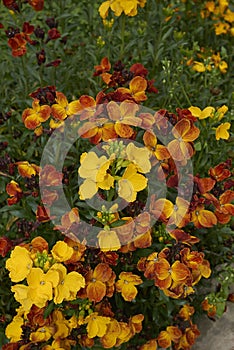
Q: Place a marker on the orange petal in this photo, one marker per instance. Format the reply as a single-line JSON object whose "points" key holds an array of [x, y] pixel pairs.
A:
{"points": [[102, 272], [96, 291]]}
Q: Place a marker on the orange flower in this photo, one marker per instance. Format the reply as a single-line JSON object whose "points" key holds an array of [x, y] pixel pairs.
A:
{"points": [[14, 191], [98, 130], [210, 308], [166, 274], [220, 172], [27, 170], [49, 176], [124, 115], [33, 117], [78, 250], [103, 67], [150, 345], [18, 44], [137, 87], [166, 337], [225, 209], [38, 244], [203, 218], [161, 208], [126, 285], [96, 282], [159, 151], [62, 109], [185, 133], [186, 312]]}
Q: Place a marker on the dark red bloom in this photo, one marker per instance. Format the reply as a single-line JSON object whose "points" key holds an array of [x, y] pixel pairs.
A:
{"points": [[51, 22], [54, 63], [5, 245], [45, 95], [39, 33], [41, 57], [139, 69], [36, 4], [11, 5], [53, 34]]}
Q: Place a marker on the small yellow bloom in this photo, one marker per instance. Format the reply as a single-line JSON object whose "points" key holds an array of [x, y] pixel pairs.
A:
{"points": [[222, 131], [69, 284], [14, 330], [42, 334], [108, 240], [221, 111], [221, 28], [131, 183], [126, 285], [139, 157], [19, 264], [97, 325], [202, 114], [223, 66], [199, 67], [61, 251]]}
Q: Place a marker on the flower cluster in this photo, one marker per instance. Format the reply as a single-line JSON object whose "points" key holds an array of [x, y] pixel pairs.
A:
{"points": [[13, 5], [220, 12], [131, 227], [206, 61]]}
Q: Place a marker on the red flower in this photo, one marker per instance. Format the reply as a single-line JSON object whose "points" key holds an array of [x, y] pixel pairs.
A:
{"points": [[37, 5], [5, 245], [53, 34], [18, 45]]}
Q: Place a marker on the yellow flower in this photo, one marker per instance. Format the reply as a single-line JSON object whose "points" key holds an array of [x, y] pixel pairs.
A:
{"points": [[42, 334], [139, 157], [199, 67], [113, 331], [126, 285], [19, 264], [69, 284], [202, 114], [221, 28], [131, 183], [221, 111], [108, 240], [14, 330], [41, 285], [222, 131], [97, 325], [223, 66], [62, 325], [21, 295], [61, 251], [94, 170], [210, 6], [229, 16]]}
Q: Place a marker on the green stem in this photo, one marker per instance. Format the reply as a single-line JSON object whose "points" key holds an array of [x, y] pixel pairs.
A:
{"points": [[123, 23]]}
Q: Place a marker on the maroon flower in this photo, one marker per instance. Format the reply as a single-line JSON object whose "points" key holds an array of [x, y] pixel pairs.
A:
{"points": [[5, 245]]}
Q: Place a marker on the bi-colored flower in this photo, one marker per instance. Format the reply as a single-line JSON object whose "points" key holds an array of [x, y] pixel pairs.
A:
{"points": [[33, 117], [62, 109]]}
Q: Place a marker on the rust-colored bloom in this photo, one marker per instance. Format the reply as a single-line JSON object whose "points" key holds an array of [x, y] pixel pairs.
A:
{"points": [[185, 133], [5, 245], [224, 208], [203, 218], [14, 191], [171, 334], [96, 282], [37, 5], [103, 67], [137, 87], [49, 176]]}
